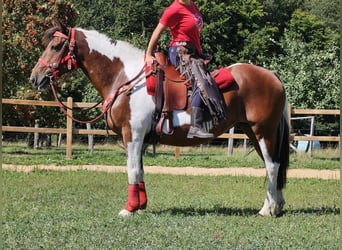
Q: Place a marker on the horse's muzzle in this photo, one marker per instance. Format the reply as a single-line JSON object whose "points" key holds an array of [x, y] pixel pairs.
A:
{"points": [[40, 83]]}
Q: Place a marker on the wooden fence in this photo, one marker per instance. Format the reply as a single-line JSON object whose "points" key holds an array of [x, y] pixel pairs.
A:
{"points": [[70, 131]]}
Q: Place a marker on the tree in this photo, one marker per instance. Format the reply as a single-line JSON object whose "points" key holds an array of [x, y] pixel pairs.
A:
{"points": [[132, 21], [327, 11], [23, 25], [310, 76], [230, 30], [309, 29], [310, 62], [310, 66]]}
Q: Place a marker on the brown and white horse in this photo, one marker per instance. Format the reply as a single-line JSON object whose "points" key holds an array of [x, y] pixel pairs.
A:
{"points": [[256, 103]]}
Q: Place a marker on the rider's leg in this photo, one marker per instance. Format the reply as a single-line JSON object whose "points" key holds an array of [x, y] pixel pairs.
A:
{"points": [[196, 128]]}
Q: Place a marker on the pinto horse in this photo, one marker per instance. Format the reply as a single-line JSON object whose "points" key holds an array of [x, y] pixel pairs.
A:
{"points": [[256, 102]]}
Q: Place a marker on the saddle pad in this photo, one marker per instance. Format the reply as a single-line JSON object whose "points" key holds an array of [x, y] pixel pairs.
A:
{"points": [[223, 78], [151, 81]]}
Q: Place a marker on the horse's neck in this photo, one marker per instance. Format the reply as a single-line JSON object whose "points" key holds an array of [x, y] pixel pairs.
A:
{"points": [[109, 63], [105, 78]]}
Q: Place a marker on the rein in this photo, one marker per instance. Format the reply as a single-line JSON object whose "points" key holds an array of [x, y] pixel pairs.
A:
{"points": [[107, 104], [64, 107]]}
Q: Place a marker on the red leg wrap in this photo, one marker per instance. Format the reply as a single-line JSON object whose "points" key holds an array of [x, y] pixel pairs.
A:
{"points": [[142, 195], [133, 198]]}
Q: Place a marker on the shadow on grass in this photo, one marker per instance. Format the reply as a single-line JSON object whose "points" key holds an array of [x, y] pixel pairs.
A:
{"points": [[17, 152], [314, 211], [217, 210], [327, 158], [246, 212]]}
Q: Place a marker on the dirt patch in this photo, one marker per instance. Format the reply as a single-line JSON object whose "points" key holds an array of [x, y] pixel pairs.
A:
{"points": [[292, 173]]}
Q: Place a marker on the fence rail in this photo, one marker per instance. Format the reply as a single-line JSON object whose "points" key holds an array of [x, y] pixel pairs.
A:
{"points": [[69, 130]]}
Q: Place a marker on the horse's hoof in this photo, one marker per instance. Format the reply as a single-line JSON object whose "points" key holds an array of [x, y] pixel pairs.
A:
{"points": [[269, 213], [140, 211], [125, 213], [264, 212]]}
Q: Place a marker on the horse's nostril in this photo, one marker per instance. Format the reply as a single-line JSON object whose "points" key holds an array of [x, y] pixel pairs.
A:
{"points": [[33, 81]]}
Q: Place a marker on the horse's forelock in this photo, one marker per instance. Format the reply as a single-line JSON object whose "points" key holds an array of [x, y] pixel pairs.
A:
{"points": [[48, 35]]}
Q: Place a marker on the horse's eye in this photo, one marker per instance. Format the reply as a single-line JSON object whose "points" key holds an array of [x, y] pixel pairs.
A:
{"points": [[56, 47]]}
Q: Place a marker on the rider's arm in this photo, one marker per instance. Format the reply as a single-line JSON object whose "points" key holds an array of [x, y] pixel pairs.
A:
{"points": [[153, 43]]}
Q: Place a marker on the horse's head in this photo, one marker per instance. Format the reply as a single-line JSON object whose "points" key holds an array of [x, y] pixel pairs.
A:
{"points": [[58, 57]]}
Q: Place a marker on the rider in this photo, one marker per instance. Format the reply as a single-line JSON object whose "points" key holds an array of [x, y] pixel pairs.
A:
{"points": [[185, 22]]}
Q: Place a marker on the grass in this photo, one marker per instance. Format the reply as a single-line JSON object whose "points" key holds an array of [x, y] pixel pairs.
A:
{"points": [[210, 156], [78, 210]]}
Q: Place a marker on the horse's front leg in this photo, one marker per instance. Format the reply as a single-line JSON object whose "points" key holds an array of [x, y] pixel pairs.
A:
{"points": [[137, 198]]}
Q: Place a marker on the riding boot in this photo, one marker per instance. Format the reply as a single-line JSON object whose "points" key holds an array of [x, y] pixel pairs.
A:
{"points": [[196, 129]]}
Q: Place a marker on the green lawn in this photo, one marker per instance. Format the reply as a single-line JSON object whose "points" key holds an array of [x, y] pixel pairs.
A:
{"points": [[110, 154], [78, 210]]}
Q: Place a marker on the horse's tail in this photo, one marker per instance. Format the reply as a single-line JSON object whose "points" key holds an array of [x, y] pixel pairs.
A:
{"points": [[284, 148]]}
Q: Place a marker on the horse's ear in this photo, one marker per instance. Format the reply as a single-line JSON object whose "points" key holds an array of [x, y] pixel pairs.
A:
{"points": [[56, 23], [59, 25]]}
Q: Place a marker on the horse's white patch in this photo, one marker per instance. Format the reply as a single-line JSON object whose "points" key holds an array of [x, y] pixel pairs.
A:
{"points": [[180, 118], [267, 157], [141, 104], [132, 57], [271, 204], [141, 109], [271, 166]]}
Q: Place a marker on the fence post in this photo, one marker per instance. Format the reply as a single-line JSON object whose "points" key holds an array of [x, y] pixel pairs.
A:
{"points": [[245, 146], [90, 139], [69, 129], [289, 114], [339, 143], [312, 126], [36, 135], [154, 149], [177, 152], [59, 140], [230, 142]]}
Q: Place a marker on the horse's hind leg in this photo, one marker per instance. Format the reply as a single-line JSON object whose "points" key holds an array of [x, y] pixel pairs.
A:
{"points": [[274, 201], [265, 148]]}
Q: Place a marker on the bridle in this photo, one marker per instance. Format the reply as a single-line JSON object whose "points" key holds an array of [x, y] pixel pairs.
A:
{"points": [[71, 61], [69, 58]]}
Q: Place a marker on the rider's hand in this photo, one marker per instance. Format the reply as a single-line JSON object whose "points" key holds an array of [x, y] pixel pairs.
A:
{"points": [[149, 59]]}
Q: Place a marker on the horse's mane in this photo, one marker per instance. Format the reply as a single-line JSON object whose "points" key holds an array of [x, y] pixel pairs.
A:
{"points": [[48, 35], [110, 47], [99, 35]]}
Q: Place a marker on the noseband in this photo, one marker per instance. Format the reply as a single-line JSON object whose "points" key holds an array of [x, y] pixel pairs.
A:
{"points": [[70, 58]]}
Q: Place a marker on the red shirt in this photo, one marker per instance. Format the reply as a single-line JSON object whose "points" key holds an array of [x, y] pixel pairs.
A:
{"points": [[185, 23]]}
